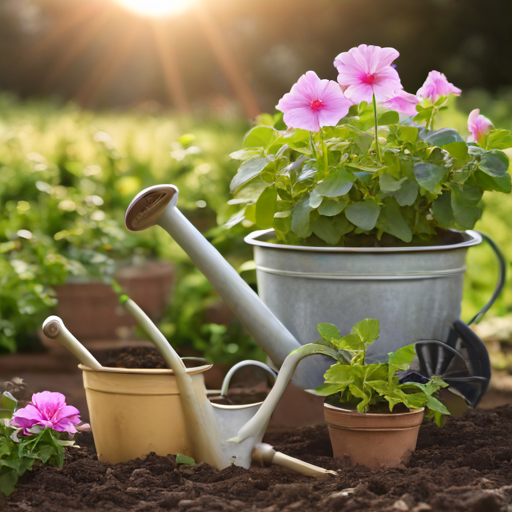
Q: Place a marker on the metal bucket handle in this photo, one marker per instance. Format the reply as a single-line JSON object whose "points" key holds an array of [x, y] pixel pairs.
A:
{"points": [[501, 278], [227, 379]]}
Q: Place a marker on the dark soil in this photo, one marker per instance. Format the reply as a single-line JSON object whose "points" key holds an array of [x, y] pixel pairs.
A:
{"points": [[133, 357], [465, 466]]}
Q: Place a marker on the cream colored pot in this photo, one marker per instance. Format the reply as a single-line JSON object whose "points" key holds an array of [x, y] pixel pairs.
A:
{"points": [[134, 412]]}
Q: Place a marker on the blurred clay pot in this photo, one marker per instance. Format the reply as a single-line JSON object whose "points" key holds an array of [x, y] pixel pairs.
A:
{"points": [[91, 310], [373, 440], [134, 412]]}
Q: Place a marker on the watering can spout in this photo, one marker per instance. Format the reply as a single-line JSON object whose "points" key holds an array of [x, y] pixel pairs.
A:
{"points": [[157, 205]]}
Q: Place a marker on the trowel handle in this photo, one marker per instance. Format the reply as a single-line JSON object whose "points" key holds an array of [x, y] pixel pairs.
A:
{"points": [[265, 454], [299, 466], [53, 327], [501, 277]]}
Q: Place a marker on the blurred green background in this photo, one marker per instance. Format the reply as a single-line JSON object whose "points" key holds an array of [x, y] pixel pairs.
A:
{"points": [[99, 102]]}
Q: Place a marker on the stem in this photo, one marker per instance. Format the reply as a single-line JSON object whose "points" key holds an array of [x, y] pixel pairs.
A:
{"points": [[324, 152], [377, 149]]}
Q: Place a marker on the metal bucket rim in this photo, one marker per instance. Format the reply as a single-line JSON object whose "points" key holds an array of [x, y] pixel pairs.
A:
{"points": [[145, 371], [472, 238]]}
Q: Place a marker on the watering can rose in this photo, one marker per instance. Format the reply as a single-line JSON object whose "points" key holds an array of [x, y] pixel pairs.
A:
{"points": [[361, 159]]}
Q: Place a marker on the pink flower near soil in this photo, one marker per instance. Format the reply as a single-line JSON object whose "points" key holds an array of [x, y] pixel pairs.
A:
{"points": [[47, 410], [403, 102], [313, 103], [478, 125], [365, 71], [435, 86]]}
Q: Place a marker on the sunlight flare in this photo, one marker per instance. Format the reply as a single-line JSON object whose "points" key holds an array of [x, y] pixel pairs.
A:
{"points": [[156, 8]]}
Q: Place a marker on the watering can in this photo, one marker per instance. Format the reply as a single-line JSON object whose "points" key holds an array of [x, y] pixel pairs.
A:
{"points": [[415, 292], [220, 435]]}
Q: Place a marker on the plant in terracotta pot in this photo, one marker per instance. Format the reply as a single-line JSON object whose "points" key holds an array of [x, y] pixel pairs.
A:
{"points": [[364, 201], [374, 410]]}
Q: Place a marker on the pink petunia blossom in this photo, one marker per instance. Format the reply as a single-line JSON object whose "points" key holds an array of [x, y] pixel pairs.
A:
{"points": [[435, 86], [403, 102], [47, 410], [367, 70], [313, 103], [478, 125]]}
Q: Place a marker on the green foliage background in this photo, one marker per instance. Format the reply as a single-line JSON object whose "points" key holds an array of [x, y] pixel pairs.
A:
{"points": [[82, 155]]}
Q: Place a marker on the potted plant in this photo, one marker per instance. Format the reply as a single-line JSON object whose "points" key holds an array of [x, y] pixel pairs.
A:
{"points": [[374, 410], [367, 207]]}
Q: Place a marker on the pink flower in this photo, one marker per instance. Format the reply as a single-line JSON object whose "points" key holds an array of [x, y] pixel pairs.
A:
{"points": [[478, 125], [313, 103], [435, 86], [365, 71], [47, 410], [403, 102]]}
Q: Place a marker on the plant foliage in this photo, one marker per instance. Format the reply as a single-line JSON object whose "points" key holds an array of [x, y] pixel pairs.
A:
{"points": [[328, 187], [368, 385]]}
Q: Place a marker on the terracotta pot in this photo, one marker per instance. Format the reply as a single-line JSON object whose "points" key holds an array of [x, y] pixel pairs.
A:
{"points": [[134, 412], [91, 310], [373, 440]]}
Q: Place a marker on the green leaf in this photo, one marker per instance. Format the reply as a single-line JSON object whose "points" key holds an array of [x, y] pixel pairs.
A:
{"points": [[464, 202], [407, 133], [266, 207], [407, 193], [363, 214], [391, 220], [388, 117], [458, 150], [8, 479], [337, 184], [499, 139], [389, 184], [494, 163], [331, 207], [403, 356], [328, 331], [300, 218], [324, 228], [486, 182], [341, 223], [247, 171], [443, 137], [442, 209], [185, 459], [260, 136], [245, 154], [339, 374], [430, 176], [350, 342], [435, 405], [7, 405], [368, 329], [362, 406], [329, 389]]}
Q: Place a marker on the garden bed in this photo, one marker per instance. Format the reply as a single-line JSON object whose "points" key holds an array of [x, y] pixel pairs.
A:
{"points": [[466, 466]]}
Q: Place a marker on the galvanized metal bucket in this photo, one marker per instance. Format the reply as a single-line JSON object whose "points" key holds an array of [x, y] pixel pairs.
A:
{"points": [[414, 292]]}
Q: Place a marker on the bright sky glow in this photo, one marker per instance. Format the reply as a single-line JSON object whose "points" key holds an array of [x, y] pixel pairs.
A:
{"points": [[156, 8]]}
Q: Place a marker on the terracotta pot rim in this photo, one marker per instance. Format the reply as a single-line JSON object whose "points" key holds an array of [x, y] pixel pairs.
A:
{"points": [[353, 412]]}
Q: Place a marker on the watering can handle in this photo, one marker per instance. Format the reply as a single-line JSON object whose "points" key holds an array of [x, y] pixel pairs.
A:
{"points": [[501, 278]]}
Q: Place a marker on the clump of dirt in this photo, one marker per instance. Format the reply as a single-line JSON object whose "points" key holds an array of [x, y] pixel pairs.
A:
{"points": [[464, 467]]}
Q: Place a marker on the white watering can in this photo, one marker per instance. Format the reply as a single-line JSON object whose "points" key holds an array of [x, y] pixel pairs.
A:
{"points": [[157, 205], [221, 435]]}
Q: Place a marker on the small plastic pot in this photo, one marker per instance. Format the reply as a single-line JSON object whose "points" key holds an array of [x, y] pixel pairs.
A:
{"points": [[134, 412], [373, 440]]}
